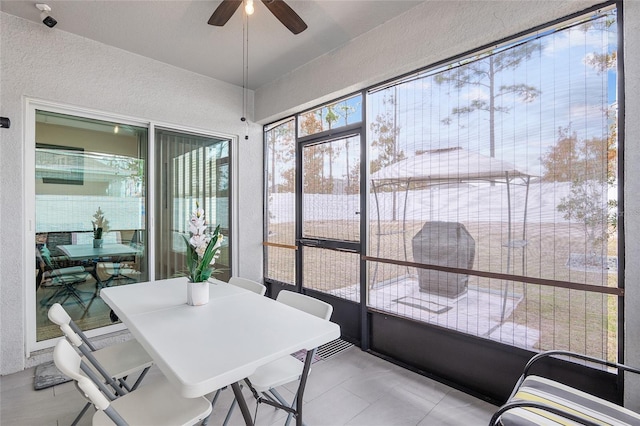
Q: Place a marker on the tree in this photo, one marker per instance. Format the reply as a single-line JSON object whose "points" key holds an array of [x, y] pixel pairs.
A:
{"points": [[572, 160], [482, 74], [353, 180], [385, 133], [330, 117], [346, 110], [590, 166], [313, 159], [281, 146]]}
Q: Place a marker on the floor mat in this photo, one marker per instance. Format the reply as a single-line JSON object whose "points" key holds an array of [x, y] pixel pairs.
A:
{"points": [[48, 375]]}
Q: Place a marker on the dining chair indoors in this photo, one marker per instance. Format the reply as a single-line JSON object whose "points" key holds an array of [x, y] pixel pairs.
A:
{"points": [[156, 405], [113, 363], [264, 381], [248, 284]]}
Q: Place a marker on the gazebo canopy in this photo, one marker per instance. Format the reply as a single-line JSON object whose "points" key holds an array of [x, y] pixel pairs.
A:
{"points": [[447, 165], [452, 166]]}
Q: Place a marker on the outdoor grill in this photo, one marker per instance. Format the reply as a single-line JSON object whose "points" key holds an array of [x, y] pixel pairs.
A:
{"points": [[443, 244]]}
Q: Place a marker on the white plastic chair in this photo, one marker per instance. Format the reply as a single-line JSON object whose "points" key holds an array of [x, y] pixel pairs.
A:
{"points": [[287, 369], [113, 363], [154, 405], [248, 284]]}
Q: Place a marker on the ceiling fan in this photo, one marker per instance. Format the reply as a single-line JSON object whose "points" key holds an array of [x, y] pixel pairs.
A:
{"points": [[279, 8]]}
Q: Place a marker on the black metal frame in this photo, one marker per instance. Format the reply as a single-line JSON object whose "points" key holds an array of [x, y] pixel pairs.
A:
{"points": [[375, 327], [562, 413]]}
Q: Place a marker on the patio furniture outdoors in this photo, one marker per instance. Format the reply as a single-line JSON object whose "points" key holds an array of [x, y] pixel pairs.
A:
{"points": [[62, 279], [55, 239], [201, 349], [446, 167], [154, 405], [113, 363], [87, 251], [541, 400], [102, 258], [127, 268]]}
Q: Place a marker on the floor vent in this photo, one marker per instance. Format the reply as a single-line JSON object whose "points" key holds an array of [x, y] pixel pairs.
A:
{"points": [[332, 348]]}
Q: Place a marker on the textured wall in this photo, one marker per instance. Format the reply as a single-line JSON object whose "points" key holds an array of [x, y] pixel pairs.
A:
{"points": [[53, 65]]}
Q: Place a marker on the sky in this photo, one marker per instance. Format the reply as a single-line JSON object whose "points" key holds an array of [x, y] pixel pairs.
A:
{"points": [[571, 93]]}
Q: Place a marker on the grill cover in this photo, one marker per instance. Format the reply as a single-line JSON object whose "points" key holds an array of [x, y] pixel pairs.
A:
{"points": [[443, 244]]}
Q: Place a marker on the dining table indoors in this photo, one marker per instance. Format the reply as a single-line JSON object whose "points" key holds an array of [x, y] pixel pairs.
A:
{"points": [[204, 348]]}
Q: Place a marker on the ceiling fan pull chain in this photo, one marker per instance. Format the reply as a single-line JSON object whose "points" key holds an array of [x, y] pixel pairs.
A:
{"points": [[245, 71]]}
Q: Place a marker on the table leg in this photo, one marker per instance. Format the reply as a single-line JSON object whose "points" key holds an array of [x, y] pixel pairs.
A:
{"points": [[303, 382], [237, 392]]}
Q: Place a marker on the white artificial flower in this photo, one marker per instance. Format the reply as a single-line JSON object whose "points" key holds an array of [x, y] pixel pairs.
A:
{"points": [[197, 228], [219, 241], [199, 241]]}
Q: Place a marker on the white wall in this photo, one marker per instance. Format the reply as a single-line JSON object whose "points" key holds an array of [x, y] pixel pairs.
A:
{"points": [[52, 65], [422, 37]]}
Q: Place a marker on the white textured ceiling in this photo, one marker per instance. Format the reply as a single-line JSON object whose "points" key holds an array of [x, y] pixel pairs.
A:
{"points": [[176, 32]]}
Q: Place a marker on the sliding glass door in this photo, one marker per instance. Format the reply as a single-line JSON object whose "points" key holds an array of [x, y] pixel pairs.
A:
{"points": [[190, 169], [93, 210], [90, 203]]}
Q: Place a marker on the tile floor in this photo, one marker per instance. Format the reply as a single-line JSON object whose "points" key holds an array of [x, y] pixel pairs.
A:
{"points": [[350, 388]]}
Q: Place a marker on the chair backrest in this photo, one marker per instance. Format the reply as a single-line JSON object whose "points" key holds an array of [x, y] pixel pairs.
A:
{"points": [[306, 303], [77, 338], [61, 318], [55, 239], [69, 362], [247, 284], [45, 255]]}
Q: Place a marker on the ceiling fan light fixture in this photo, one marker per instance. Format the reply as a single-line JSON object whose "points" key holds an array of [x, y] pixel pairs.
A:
{"points": [[248, 7]]}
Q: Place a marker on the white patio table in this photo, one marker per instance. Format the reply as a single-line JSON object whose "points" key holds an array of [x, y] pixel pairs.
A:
{"points": [[87, 251], [203, 348]]}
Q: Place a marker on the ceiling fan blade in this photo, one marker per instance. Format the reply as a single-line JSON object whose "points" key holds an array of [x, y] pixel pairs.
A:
{"points": [[223, 12], [286, 15]]}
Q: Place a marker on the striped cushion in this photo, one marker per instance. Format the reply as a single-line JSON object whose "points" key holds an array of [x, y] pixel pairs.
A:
{"points": [[548, 392]]}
